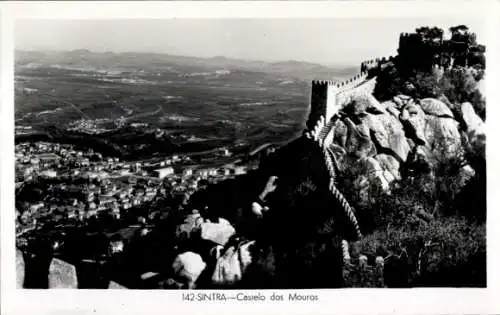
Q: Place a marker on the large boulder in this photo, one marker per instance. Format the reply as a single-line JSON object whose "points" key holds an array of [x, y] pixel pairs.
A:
{"points": [[187, 268], [443, 137], [115, 286], [340, 133], [476, 132], [369, 147], [438, 134], [368, 134], [62, 275], [218, 233], [370, 173], [401, 100], [390, 167], [232, 264], [392, 108], [191, 226], [361, 104], [470, 118], [374, 173], [20, 267], [388, 134], [434, 107], [358, 140]]}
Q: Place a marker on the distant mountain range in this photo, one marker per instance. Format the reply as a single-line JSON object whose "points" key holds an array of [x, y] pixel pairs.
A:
{"points": [[291, 69]]}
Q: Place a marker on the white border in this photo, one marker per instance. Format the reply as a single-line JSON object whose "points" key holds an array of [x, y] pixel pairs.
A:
{"points": [[349, 301]]}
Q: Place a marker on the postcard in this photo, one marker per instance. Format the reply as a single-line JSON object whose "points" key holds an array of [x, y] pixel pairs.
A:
{"points": [[248, 157]]}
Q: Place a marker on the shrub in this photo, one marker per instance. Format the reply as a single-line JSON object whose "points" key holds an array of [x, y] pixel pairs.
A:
{"points": [[446, 252], [458, 84], [389, 83], [426, 85], [478, 102]]}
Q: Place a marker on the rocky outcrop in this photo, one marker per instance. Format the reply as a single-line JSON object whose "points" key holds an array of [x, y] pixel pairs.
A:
{"points": [[369, 143], [62, 275], [231, 264], [475, 129], [20, 267], [197, 227], [372, 142], [115, 286], [218, 233], [430, 124], [191, 226], [187, 268], [435, 107], [388, 135]]}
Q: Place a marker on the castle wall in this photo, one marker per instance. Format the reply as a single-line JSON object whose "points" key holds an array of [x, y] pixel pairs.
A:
{"points": [[319, 96], [331, 104], [328, 97]]}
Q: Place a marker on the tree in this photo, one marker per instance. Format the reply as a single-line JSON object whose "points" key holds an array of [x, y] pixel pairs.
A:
{"points": [[458, 85], [462, 40], [389, 83], [430, 34], [461, 33], [476, 57], [432, 40], [426, 85]]}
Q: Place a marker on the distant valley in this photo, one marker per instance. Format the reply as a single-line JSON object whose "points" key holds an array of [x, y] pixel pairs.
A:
{"points": [[215, 99]]}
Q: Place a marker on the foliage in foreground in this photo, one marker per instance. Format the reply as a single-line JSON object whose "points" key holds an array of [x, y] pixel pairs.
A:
{"points": [[447, 252]]}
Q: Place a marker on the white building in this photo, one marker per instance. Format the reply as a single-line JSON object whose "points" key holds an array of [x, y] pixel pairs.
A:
{"points": [[203, 173], [49, 173], [239, 170], [212, 171], [164, 172], [187, 172], [37, 206], [224, 171]]}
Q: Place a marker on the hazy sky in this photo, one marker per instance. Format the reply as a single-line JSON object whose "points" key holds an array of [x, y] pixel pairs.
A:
{"points": [[328, 41]]}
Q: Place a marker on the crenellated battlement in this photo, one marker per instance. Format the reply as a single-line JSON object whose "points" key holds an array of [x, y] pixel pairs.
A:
{"points": [[329, 96], [374, 63], [405, 35], [353, 82], [343, 85]]}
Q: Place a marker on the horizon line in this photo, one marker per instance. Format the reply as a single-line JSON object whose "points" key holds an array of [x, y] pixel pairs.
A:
{"points": [[41, 50]]}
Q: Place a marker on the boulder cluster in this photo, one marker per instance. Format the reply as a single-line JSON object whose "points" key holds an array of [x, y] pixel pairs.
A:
{"points": [[214, 251], [375, 144]]}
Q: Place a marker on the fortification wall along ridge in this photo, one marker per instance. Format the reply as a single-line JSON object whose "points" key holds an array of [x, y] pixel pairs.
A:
{"points": [[324, 94], [329, 96]]}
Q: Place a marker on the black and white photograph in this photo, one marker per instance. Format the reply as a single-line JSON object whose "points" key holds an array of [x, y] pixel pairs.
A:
{"points": [[323, 157], [250, 153]]}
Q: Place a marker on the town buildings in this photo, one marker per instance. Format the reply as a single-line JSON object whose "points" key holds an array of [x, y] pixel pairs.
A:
{"points": [[80, 185]]}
